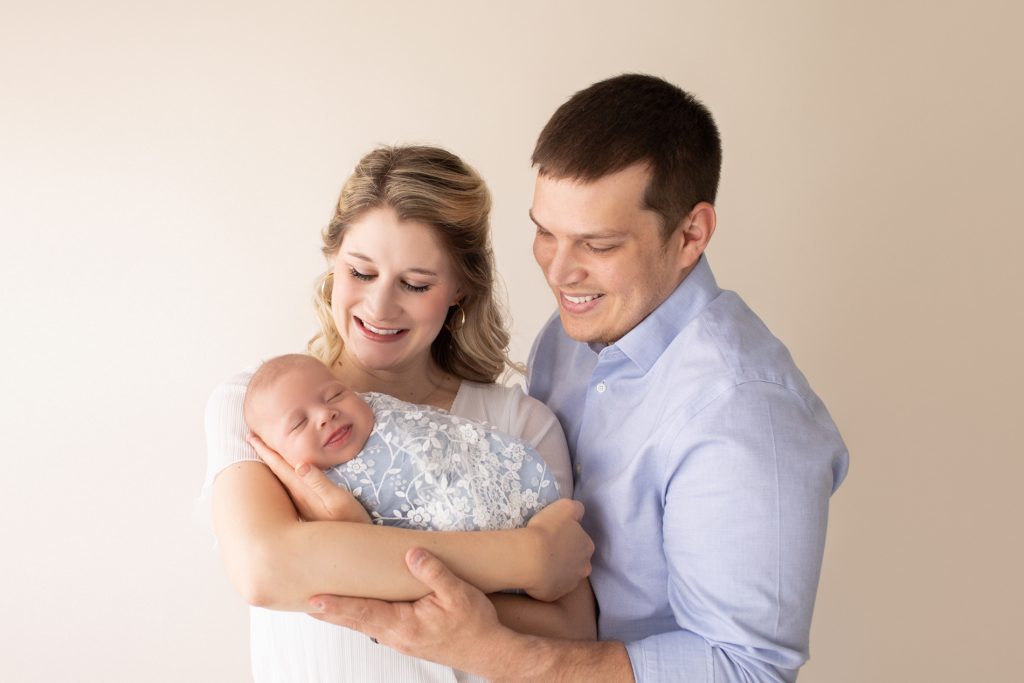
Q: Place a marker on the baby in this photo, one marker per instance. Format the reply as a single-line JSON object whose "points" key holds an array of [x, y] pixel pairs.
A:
{"points": [[408, 465]]}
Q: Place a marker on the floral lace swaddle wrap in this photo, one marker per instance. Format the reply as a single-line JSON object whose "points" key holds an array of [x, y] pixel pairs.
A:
{"points": [[424, 468]]}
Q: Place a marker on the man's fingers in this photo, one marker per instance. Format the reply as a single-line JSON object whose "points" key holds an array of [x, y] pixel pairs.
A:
{"points": [[432, 572], [360, 614]]}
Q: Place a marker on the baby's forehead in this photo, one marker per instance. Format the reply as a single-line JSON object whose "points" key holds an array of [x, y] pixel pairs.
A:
{"points": [[305, 377], [302, 372]]}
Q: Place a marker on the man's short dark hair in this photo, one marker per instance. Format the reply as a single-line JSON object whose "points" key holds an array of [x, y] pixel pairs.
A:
{"points": [[635, 118]]}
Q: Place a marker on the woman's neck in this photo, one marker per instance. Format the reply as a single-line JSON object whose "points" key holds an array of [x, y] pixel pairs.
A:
{"points": [[424, 383]]}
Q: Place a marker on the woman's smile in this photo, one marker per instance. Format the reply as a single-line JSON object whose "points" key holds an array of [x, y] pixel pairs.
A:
{"points": [[379, 333]]}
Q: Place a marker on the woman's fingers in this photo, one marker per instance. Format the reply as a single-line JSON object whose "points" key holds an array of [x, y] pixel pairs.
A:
{"points": [[315, 496], [565, 549], [281, 469]]}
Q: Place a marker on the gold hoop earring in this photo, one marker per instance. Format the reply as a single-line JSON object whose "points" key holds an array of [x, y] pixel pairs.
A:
{"points": [[325, 294], [453, 325]]}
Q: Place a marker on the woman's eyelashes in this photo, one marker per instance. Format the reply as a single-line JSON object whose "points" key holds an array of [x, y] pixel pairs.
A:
{"points": [[365, 277], [408, 286]]}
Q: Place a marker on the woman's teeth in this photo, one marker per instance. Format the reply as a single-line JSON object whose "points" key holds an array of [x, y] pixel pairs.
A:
{"points": [[380, 330]]}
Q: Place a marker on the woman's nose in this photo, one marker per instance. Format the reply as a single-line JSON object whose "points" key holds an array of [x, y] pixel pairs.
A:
{"points": [[381, 302]]}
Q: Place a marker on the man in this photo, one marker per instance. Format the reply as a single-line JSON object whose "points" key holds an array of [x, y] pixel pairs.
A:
{"points": [[703, 459]]}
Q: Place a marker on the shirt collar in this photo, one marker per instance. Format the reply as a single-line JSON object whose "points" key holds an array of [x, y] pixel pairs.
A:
{"points": [[646, 342]]}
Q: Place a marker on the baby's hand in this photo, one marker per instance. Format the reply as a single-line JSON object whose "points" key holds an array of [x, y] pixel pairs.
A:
{"points": [[316, 498]]}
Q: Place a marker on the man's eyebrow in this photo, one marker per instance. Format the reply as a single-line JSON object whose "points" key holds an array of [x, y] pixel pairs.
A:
{"points": [[606, 235], [417, 270]]}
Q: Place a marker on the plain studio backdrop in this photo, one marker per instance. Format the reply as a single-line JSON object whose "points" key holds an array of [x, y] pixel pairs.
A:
{"points": [[165, 170]]}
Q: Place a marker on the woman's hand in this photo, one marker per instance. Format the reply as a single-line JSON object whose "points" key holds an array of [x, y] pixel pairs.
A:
{"points": [[563, 550], [316, 498]]}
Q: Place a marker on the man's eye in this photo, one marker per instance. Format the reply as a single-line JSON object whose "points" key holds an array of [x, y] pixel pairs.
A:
{"points": [[600, 250], [360, 276]]}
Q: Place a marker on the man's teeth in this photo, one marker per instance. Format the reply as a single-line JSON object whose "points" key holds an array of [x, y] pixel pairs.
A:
{"points": [[580, 299], [379, 330]]}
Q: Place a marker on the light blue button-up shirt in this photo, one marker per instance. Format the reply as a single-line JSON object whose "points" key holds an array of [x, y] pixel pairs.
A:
{"points": [[706, 463]]}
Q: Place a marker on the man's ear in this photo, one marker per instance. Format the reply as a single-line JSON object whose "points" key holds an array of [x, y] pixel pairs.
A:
{"points": [[695, 231]]}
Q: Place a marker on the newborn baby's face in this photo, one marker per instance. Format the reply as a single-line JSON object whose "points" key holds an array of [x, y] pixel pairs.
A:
{"points": [[308, 416]]}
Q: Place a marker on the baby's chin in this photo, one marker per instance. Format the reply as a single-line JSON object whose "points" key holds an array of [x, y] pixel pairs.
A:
{"points": [[325, 463]]}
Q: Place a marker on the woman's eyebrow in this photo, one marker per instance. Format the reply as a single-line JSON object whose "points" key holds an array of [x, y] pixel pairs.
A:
{"points": [[361, 257], [419, 271]]}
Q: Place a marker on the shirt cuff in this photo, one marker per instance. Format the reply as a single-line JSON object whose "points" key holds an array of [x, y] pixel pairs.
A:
{"points": [[685, 656], [672, 656]]}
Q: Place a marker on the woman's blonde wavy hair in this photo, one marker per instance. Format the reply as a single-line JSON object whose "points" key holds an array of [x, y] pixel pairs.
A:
{"points": [[432, 186]]}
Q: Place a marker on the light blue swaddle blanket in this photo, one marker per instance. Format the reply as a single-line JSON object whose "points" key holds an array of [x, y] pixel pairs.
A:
{"points": [[424, 468]]}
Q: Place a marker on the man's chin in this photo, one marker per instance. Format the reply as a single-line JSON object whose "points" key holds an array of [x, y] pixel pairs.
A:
{"points": [[578, 330]]}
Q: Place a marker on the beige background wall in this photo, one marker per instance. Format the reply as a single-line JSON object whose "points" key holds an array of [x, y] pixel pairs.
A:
{"points": [[165, 169]]}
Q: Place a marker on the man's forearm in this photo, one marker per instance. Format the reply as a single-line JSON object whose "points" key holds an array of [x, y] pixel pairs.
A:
{"points": [[533, 658]]}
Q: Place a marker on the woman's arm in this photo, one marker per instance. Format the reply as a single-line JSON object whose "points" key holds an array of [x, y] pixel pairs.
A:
{"points": [[278, 561]]}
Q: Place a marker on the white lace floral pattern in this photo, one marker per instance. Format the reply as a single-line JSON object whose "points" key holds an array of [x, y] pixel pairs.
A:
{"points": [[424, 468]]}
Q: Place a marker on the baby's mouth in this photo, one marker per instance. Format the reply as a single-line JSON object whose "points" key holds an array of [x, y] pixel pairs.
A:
{"points": [[338, 436]]}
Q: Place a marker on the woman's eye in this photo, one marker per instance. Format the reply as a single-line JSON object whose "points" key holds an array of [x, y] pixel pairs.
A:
{"points": [[360, 276], [419, 289]]}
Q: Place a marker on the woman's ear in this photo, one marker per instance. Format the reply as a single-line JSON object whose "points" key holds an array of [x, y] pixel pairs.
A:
{"points": [[694, 233], [457, 297]]}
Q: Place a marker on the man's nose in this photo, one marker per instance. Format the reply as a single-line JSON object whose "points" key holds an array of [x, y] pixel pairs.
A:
{"points": [[564, 268]]}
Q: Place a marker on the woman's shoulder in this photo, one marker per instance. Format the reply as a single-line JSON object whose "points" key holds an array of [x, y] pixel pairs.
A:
{"points": [[229, 393], [225, 426]]}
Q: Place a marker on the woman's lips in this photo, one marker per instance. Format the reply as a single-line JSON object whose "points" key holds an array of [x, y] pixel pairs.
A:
{"points": [[383, 334], [339, 436]]}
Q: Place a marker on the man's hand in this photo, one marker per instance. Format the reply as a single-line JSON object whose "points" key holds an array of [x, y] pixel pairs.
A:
{"points": [[455, 625], [316, 498]]}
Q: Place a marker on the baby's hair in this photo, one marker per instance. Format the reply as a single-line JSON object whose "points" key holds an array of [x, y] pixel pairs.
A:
{"points": [[266, 374]]}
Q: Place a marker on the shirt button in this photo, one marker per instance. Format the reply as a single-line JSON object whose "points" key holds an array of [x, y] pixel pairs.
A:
{"points": [[602, 387]]}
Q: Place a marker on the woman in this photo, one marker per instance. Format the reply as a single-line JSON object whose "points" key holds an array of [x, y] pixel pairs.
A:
{"points": [[407, 307]]}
